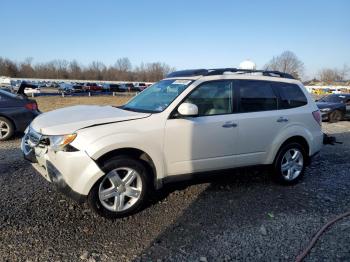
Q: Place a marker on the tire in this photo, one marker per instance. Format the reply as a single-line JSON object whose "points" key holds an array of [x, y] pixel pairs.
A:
{"points": [[335, 116], [113, 196], [288, 167], [6, 129]]}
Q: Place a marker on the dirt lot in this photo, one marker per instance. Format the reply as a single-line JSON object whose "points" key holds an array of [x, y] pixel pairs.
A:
{"points": [[47, 103], [240, 216]]}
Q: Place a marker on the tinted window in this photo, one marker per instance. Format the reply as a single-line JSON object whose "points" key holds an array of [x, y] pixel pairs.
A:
{"points": [[291, 95], [212, 98], [256, 96]]}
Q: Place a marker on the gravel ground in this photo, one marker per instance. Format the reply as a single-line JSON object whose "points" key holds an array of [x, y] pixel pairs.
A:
{"points": [[236, 216]]}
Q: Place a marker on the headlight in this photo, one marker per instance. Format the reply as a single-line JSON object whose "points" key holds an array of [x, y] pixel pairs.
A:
{"points": [[57, 143], [325, 110]]}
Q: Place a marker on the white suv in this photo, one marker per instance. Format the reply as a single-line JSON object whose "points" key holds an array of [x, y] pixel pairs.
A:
{"points": [[192, 122]]}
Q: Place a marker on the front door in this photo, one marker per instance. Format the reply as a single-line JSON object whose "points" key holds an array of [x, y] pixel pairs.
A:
{"points": [[208, 141]]}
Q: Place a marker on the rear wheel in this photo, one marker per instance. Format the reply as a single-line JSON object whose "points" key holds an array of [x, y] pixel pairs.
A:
{"points": [[6, 129], [123, 190], [289, 165], [335, 116]]}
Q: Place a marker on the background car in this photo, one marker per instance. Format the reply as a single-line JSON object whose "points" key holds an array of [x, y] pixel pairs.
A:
{"points": [[139, 87], [112, 88], [65, 88], [16, 112], [92, 87], [334, 107], [127, 87]]}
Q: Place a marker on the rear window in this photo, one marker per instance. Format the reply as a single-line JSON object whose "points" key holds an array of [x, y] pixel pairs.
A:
{"points": [[256, 96], [291, 95]]}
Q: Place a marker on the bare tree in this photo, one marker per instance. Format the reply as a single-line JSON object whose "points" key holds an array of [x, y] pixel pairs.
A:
{"points": [[344, 72], [332, 75], [123, 64], [152, 71], [8, 68], [329, 75], [74, 70], [286, 62]]}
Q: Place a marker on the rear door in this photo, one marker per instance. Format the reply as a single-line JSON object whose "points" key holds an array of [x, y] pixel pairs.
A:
{"points": [[259, 120]]}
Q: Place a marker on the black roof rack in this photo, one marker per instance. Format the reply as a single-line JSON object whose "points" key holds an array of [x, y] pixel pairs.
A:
{"points": [[221, 71], [189, 72]]}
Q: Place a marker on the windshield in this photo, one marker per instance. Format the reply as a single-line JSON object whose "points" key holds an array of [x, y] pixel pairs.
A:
{"points": [[157, 97], [333, 98]]}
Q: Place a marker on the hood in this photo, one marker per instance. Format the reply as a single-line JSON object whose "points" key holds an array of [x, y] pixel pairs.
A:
{"points": [[322, 105], [70, 119]]}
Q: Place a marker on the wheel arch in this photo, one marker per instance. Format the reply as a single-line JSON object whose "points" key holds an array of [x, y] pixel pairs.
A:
{"points": [[296, 139], [133, 153]]}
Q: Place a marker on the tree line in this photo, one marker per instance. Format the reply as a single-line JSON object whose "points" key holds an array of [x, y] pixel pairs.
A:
{"points": [[122, 70]]}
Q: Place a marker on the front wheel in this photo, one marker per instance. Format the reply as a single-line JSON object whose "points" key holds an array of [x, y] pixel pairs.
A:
{"points": [[289, 165], [123, 190]]}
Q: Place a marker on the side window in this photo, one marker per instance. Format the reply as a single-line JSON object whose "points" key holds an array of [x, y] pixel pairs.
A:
{"points": [[212, 98], [291, 95], [256, 96]]}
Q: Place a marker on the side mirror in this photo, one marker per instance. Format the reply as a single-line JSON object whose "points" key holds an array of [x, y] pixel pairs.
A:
{"points": [[188, 109]]}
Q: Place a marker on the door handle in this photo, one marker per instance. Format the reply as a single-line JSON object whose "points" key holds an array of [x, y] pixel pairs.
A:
{"points": [[229, 124], [282, 119]]}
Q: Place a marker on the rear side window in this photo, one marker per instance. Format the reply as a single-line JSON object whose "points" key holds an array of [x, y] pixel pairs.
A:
{"points": [[256, 96], [291, 95]]}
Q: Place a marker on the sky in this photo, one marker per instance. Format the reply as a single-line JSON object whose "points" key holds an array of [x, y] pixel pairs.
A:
{"points": [[183, 34]]}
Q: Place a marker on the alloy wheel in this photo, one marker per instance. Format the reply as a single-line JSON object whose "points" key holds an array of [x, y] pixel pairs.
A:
{"points": [[120, 189], [4, 129], [292, 164]]}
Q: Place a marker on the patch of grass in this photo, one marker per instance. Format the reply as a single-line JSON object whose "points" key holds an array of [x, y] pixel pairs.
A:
{"points": [[48, 103]]}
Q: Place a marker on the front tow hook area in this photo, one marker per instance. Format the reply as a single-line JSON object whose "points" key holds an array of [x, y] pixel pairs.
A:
{"points": [[330, 140]]}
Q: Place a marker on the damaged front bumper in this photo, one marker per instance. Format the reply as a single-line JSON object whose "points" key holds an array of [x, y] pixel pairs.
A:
{"points": [[72, 173]]}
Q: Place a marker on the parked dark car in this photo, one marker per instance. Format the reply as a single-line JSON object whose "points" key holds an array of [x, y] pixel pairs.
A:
{"points": [[16, 112], [88, 87], [112, 88], [334, 107], [78, 88], [127, 87]]}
